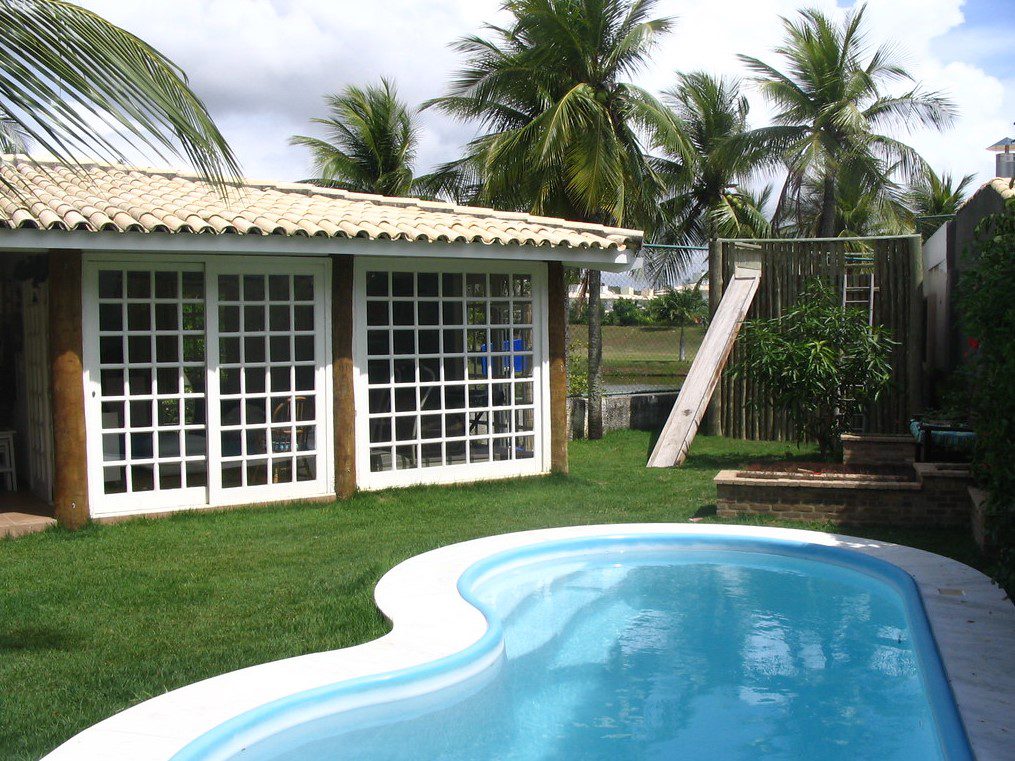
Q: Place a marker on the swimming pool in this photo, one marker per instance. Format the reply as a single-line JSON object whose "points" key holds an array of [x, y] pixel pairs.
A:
{"points": [[645, 646]]}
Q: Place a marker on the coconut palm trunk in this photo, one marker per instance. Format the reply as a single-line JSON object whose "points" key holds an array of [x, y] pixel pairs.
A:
{"points": [[682, 350], [827, 223], [595, 398]]}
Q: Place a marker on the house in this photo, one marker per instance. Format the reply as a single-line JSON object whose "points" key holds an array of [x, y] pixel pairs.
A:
{"points": [[173, 347], [944, 258]]}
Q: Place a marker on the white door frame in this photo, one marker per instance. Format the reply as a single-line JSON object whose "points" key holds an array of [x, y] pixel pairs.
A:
{"points": [[101, 504]]}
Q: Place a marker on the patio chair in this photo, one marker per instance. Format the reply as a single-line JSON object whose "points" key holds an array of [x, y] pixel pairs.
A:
{"points": [[281, 441]]}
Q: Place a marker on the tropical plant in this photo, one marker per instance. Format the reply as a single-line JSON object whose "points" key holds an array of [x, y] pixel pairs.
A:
{"points": [[370, 142], [987, 316], [563, 129], [822, 362], [934, 198], [681, 308], [68, 77], [704, 193], [832, 104]]}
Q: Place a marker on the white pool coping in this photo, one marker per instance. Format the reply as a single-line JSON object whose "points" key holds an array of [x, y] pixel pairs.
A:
{"points": [[972, 620]]}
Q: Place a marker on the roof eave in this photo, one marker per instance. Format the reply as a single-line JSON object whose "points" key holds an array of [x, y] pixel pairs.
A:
{"points": [[608, 259]]}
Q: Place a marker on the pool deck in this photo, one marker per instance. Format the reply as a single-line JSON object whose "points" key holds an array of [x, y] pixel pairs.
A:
{"points": [[972, 621]]}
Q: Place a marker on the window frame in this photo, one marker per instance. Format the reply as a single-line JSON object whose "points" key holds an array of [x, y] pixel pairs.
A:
{"points": [[467, 471]]}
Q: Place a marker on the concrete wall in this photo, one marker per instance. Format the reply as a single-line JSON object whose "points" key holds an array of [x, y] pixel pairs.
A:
{"points": [[638, 412]]}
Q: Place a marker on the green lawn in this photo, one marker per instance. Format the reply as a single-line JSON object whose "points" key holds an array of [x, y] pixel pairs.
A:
{"points": [[641, 354], [94, 621]]}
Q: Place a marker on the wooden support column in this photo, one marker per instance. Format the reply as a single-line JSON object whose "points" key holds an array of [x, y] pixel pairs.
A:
{"points": [[557, 329], [342, 331], [67, 391]]}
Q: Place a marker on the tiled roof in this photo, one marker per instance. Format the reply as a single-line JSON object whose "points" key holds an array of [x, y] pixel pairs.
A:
{"points": [[1004, 186], [104, 197]]}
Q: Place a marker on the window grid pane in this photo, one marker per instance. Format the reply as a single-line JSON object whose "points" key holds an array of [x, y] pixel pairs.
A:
{"points": [[449, 368], [152, 379], [267, 379]]}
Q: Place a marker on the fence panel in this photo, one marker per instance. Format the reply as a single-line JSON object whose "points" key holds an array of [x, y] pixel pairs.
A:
{"points": [[888, 268]]}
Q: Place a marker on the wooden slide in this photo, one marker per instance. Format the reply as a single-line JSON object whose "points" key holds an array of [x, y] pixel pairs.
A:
{"points": [[682, 424]]}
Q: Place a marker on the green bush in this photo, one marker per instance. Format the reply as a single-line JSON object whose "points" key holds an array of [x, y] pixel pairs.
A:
{"points": [[822, 362], [987, 312], [627, 312]]}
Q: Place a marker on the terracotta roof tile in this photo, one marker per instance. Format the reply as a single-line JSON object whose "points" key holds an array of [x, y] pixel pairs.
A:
{"points": [[94, 197]]}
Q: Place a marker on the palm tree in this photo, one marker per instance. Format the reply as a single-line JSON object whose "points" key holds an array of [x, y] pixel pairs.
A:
{"points": [[68, 76], [933, 198], [564, 130], [831, 103], [704, 194], [371, 141], [13, 138]]}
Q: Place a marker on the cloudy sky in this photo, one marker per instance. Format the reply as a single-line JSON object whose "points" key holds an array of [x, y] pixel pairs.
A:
{"points": [[262, 66]]}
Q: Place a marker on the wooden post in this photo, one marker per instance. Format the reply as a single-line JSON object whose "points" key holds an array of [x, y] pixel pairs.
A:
{"points": [[713, 416], [557, 329], [67, 391], [915, 343], [342, 331]]}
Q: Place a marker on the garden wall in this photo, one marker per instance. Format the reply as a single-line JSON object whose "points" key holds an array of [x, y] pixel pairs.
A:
{"points": [[637, 412]]}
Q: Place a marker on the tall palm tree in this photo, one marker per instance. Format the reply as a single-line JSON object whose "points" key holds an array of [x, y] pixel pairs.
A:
{"points": [[370, 144], [831, 106], [705, 197], [933, 198], [564, 130], [68, 76]]}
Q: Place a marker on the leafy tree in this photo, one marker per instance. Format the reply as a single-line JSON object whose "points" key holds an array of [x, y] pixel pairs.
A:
{"points": [[370, 143], [832, 102], [68, 77], [626, 312], [934, 197], [822, 362], [703, 194], [987, 315], [681, 308], [563, 129]]}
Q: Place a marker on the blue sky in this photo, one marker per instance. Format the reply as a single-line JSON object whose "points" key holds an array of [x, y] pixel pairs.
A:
{"points": [[263, 66]]}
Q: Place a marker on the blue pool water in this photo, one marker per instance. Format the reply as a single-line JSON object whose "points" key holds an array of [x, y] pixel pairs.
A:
{"points": [[687, 651]]}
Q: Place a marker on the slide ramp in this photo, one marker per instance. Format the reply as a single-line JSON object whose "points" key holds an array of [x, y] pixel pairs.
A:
{"points": [[682, 424]]}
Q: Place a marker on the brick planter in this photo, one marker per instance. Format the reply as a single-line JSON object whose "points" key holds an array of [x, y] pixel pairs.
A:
{"points": [[938, 497], [868, 449]]}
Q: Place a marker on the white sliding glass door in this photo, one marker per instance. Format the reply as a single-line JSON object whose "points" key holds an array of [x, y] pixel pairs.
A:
{"points": [[207, 382]]}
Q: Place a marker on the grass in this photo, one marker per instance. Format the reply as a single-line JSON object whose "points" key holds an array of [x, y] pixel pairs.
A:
{"points": [[641, 354], [94, 621]]}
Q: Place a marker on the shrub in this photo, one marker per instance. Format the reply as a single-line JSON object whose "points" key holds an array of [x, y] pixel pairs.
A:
{"points": [[626, 312], [987, 314], [821, 361]]}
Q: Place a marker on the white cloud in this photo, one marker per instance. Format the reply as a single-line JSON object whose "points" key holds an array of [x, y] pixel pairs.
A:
{"points": [[262, 66]]}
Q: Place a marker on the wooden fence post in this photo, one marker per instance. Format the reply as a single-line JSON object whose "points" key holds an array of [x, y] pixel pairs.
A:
{"points": [[713, 416]]}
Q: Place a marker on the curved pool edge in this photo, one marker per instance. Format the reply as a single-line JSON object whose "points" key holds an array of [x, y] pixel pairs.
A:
{"points": [[970, 619]]}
